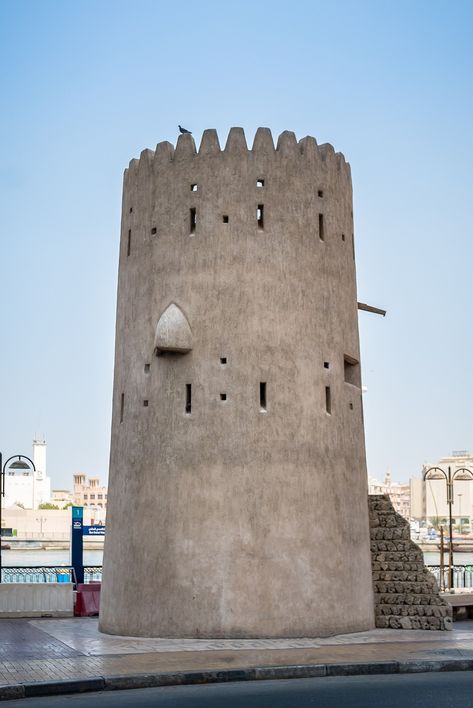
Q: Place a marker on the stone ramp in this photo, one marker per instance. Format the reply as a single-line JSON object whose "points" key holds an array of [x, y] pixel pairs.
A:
{"points": [[406, 594]]}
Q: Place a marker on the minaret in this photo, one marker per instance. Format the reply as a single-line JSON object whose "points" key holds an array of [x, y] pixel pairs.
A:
{"points": [[39, 457], [41, 483]]}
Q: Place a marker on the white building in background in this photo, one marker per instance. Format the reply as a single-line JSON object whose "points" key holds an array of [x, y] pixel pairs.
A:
{"points": [[28, 488], [400, 494], [429, 498]]}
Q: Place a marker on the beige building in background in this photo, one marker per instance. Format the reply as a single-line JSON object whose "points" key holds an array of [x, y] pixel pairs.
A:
{"points": [[237, 449], [89, 493], [62, 497]]}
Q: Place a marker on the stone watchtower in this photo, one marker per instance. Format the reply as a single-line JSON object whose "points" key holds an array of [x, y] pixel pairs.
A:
{"points": [[238, 489]]}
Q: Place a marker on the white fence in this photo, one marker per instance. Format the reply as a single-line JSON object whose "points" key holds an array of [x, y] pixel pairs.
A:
{"points": [[36, 600]]}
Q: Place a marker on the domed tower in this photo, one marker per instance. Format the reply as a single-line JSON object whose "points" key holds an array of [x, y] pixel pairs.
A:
{"points": [[238, 490]]}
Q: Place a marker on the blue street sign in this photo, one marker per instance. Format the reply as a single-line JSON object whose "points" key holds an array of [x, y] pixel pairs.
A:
{"points": [[77, 556], [93, 530]]}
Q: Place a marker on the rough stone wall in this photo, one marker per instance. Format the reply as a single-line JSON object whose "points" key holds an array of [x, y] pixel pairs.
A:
{"points": [[406, 594], [241, 525]]}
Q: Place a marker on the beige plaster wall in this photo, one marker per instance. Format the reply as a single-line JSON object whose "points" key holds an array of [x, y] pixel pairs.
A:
{"points": [[241, 525]]}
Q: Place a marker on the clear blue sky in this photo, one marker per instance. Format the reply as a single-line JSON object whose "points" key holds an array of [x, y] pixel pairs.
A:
{"points": [[87, 85]]}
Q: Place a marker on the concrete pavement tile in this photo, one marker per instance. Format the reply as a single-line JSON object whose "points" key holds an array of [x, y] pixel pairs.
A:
{"points": [[123, 657]]}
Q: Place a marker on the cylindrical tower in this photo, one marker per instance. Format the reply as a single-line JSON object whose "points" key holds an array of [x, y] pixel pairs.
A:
{"points": [[238, 494]]}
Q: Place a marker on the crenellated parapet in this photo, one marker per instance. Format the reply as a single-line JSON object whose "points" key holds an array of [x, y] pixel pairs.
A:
{"points": [[287, 147]]}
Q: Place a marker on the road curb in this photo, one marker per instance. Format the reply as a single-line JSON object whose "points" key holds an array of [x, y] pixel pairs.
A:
{"points": [[257, 673], [56, 688]]}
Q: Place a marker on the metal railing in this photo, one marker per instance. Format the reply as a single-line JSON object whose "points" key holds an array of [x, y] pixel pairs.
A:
{"points": [[462, 575], [49, 574], [92, 573], [38, 536]]}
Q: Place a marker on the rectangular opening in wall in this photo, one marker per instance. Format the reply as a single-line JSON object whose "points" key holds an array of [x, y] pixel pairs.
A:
{"points": [[326, 365], [146, 368], [131, 210], [193, 188], [128, 247], [122, 406], [188, 398], [328, 400], [321, 227], [351, 370], [260, 182], [154, 230], [225, 218], [320, 193], [193, 219], [223, 396], [223, 359], [260, 216], [343, 237], [145, 403], [262, 396]]}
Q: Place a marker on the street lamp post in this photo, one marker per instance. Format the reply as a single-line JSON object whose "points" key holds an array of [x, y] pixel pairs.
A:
{"points": [[21, 463], [461, 473], [460, 511], [41, 520]]}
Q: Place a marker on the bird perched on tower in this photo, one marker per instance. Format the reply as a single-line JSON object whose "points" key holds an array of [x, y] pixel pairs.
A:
{"points": [[183, 131]]}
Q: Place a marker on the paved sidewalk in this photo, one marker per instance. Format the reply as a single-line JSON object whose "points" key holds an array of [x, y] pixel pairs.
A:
{"points": [[41, 657]]}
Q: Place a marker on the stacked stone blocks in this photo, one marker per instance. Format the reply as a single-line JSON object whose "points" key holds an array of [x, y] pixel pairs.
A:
{"points": [[406, 593]]}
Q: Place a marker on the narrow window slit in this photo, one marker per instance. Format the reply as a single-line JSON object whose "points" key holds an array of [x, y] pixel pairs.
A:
{"points": [[122, 407], [320, 193], [225, 218], [350, 406], [145, 403], [260, 216], [154, 230], [343, 237], [188, 398], [223, 396], [321, 227], [193, 219], [193, 188], [146, 368], [223, 359], [326, 365], [131, 210], [328, 400], [262, 396], [260, 182], [128, 247]]}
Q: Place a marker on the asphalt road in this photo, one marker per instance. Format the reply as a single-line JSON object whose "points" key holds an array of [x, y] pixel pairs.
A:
{"points": [[430, 690]]}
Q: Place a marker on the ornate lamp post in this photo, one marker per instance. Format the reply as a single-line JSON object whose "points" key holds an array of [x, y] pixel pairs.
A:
{"points": [[21, 462], [460, 512], [462, 473]]}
